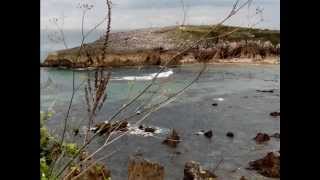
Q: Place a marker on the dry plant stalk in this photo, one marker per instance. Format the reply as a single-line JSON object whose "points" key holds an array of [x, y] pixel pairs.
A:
{"points": [[106, 38], [184, 12], [100, 86], [85, 7], [95, 100]]}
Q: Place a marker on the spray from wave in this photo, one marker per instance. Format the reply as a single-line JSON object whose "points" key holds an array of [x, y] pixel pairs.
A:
{"points": [[146, 77]]}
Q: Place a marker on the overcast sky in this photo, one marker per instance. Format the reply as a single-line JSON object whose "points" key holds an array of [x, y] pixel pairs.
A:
{"points": [[133, 14]]}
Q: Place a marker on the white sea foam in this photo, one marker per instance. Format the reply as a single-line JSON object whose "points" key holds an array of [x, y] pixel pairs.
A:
{"points": [[146, 77], [218, 99], [136, 131]]}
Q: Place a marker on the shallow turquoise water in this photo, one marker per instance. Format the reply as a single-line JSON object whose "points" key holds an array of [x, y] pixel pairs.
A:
{"points": [[242, 110]]}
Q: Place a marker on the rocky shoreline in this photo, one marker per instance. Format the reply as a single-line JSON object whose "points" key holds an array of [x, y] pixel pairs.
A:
{"points": [[156, 46]]}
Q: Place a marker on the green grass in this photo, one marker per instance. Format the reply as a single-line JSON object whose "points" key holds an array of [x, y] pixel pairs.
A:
{"points": [[196, 32]]}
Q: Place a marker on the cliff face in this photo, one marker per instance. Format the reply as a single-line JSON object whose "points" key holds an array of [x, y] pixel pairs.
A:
{"points": [[157, 46]]}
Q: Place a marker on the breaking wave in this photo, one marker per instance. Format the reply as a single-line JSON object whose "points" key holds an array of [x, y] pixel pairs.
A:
{"points": [[146, 77]]}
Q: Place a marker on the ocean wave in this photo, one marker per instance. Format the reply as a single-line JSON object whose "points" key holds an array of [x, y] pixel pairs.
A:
{"points": [[146, 77]]}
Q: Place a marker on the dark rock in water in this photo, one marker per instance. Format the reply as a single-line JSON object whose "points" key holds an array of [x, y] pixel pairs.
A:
{"points": [[177, 152], [141, 169], [75, 131], [149, 129], [120, 126], [275, 114], [109, 127], [141, 127], [173, 139], [276, 135], [208, 134], [214, 104], [230, 134], [262, 137], [193, 171], [243, 178], [268, 166], [266, 91]]}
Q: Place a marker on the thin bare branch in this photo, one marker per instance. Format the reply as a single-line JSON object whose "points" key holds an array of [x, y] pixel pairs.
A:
{"points": [[184, 12], [106, 38], [90, 166]]}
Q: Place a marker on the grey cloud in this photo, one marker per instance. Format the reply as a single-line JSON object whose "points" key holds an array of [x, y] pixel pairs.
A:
{"points": [[145, 4], [133, 14]]}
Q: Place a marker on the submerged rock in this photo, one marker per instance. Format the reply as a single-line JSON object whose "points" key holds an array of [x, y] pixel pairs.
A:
{"points": [[193, 171], [150, 129], [75, 131], [208, 134], [243, 178], [147, 129], [275, 114], [261, 138], [276, 135], [214, 104], [109, 127], [230, 134], [268, 166], [141, 169], [173, 139], [266, 91], [141, 127]]}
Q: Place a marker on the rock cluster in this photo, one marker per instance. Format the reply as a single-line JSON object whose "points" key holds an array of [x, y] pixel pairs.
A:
{"points": [[193, 171], [268, 166], [141, 169], [261, 138]]}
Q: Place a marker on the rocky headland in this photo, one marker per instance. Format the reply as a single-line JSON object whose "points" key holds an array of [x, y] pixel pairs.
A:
{"points": [[156, 46]]}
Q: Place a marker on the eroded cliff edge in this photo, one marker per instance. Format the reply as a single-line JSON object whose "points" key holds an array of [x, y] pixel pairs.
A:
{"points": [[155, 46]]}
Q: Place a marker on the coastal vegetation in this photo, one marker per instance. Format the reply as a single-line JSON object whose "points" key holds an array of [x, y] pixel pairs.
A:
{"points": [[194, 32], [156, 46]]}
